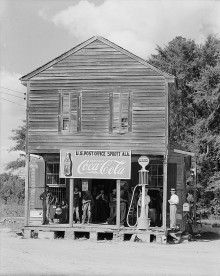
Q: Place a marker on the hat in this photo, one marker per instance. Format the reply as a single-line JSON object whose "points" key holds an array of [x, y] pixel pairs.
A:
{"points": [[173, 190]]}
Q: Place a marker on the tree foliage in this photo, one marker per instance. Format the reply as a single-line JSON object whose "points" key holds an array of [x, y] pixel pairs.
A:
{"points": [[18, 136], [11, 189], [195, 107]]}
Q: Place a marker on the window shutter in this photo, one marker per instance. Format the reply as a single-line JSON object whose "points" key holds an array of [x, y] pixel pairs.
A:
{"points": [[60, 112], [124, 106], [73, 111], [110, 112], [116, 112], [130, 108], [79, 111]]}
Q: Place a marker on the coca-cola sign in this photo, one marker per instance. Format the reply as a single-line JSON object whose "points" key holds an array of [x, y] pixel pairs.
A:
{"points": [[104, 164]]}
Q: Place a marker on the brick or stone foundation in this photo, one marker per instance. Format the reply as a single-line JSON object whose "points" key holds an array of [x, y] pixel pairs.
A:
{"points": [[27, 234], [118, 236], [145, 237], [45, 235], [93, 236], [69, 235]]}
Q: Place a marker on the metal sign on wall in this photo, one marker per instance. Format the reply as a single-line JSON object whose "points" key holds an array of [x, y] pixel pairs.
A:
{"points": [[102, 164]]}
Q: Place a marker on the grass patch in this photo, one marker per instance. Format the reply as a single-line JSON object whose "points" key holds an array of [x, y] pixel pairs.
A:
{"points": [[11, 210]]}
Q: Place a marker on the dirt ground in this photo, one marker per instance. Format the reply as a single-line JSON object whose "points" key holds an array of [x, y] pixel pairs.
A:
{"points": [[19, 256]]}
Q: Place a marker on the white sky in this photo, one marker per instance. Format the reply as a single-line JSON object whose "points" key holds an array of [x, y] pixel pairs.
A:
{"points": [[35, 31]]}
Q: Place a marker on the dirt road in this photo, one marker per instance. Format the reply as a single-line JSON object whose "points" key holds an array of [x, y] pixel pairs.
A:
{"points": [[64, 257]]}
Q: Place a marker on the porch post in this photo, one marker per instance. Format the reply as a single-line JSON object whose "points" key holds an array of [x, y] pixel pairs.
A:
{"points": [[27, 205], [71, 202], [27, 162], [118, 183], [164, 193]]}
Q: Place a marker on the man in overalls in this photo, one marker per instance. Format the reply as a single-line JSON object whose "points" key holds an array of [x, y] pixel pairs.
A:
{"points": [[47, 200]]}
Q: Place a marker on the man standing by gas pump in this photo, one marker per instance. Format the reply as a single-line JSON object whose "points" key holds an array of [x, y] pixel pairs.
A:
{"points": [[174, 200]]}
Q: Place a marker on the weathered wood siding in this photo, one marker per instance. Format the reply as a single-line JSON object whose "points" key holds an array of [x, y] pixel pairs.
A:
{"points": [[96, 70], [37, 182]]}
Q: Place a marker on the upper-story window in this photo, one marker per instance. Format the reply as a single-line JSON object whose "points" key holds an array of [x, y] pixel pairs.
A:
{"points": [[69, 111], [120, 112]]}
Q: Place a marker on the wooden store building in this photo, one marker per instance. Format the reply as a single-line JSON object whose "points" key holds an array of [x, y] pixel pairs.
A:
{"points": [[104, 107]]}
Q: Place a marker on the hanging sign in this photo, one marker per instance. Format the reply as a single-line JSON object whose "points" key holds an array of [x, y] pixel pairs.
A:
{"points": [[143, 161], [95, 164]]}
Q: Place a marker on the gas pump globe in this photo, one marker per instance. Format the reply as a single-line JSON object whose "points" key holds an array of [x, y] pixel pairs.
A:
{"points": [[142, 221]]}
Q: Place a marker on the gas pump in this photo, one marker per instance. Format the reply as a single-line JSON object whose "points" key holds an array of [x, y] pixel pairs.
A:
{"points": [[142, 221]]}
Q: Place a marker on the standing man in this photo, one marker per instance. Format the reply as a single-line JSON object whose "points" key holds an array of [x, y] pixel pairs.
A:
{"points": [[87, 207], [47, 200], [174, 200], [76, 203], [124, 200]]}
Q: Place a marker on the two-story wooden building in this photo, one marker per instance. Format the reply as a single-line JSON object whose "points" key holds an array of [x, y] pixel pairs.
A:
{"points": [[100, 97]]}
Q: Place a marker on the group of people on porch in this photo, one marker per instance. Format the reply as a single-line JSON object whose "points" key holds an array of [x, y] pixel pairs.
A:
{"points": [[100, 207]]}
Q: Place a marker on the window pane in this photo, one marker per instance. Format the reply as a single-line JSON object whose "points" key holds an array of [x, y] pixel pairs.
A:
{"points": [[49, 179], [65, 124], [62, 180], [56, 168], [160, 169], [49, 168], [153, 182], [153, 169], [160, 181]]}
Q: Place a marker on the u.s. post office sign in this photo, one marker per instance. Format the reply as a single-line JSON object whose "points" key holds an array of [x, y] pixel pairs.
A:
{"points": [[103, 164]]}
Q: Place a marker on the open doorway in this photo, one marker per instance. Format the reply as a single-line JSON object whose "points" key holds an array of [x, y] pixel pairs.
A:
{"points": [[103, 192], [155, 207]]}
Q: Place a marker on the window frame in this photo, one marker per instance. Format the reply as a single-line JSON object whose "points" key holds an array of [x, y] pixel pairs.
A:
{"points": [[67, 115], [54, 185], [156, 176], [112, 112]]}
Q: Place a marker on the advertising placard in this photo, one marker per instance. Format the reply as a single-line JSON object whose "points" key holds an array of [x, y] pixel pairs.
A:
{"points": [[95, 164]]}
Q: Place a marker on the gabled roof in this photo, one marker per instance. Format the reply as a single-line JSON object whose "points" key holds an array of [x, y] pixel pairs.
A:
{"points": [[84, 44]]}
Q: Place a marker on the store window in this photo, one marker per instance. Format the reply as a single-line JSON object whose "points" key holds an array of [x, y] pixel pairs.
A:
{"points": [[156, 175], [57, 185], [52, 175]]}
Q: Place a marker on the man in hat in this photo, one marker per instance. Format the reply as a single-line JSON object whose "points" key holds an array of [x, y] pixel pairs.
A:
{"points": [[47, 199], [174, 200]]}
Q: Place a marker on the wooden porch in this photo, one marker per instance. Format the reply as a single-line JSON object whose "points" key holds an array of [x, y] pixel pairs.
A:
{"points": [[93, 232]]}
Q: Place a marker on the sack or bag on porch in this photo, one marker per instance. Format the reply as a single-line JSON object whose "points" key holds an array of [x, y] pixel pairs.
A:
{"points": [[52, 211]]}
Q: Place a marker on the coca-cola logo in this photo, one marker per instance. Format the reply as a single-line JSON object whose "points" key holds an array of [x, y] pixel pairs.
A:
{"points": [[109, 167]]}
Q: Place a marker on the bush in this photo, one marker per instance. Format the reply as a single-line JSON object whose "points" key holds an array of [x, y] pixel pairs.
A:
{"points": [[11, 210], [12, 189]]}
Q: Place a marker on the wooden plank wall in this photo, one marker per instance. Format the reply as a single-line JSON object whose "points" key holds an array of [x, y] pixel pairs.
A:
{"points": [[37, 182], [97, 70]]}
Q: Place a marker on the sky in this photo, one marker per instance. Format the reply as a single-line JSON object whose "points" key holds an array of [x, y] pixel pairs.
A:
{"points": [[33, 32]]}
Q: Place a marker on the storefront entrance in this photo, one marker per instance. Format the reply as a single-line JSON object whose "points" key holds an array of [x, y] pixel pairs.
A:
{"points": [[103, 192]]}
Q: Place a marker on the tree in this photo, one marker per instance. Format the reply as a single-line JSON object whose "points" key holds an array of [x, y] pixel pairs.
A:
{"points": [[18, 136], [11, 188], [195, 106]]}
